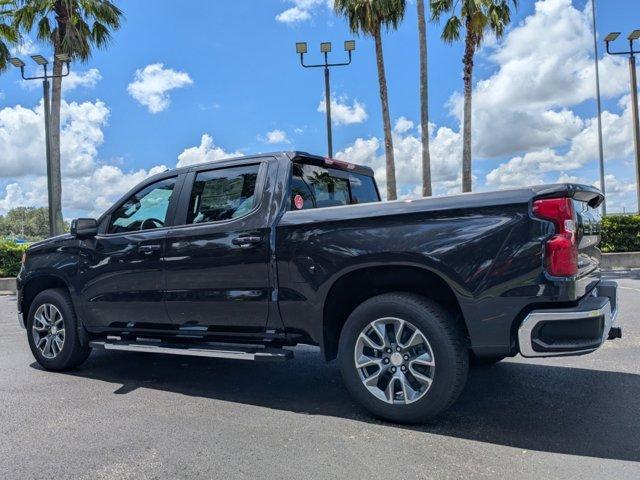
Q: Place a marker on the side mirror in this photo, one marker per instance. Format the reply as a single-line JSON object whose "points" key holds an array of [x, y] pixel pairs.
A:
{"points": [[84, 227]]}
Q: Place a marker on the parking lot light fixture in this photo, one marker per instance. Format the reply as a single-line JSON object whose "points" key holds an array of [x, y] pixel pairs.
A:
{"points": [[42, 61], [325, 48], [633, 36], [612, 37], [16, 62]]}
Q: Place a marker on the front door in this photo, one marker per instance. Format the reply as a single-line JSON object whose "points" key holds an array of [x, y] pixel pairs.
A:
{"points": [[121, 268], [216, 263]]}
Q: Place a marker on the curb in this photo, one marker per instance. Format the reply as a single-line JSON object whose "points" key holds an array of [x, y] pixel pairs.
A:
{"points": [[8, 286], [617, 261]]}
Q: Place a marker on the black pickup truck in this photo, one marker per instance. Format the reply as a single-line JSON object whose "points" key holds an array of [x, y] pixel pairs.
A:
{"points": [[242, 258]]}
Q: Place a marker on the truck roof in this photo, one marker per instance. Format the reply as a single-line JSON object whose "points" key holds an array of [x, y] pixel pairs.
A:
{"points": [[290, 154]]}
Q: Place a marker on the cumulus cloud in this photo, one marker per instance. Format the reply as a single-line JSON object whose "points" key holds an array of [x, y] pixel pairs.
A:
{"points": [[342, 113], [301, 11], [87, 79], [22, 138], [152, 84], [207, 151], [543, 67], [276, 136], [532, 167], [446, 154]]}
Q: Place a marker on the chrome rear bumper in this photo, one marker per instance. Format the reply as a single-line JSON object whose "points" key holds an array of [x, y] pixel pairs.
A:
{"points": [[570, 331]]}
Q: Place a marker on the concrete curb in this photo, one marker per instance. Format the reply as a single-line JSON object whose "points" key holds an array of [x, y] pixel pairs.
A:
{"points": [[8, 286], [616, 261]]}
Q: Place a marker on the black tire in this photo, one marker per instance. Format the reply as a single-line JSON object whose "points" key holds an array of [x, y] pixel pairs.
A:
{"points": [[445, 337], [72, 352], [476, 361]]}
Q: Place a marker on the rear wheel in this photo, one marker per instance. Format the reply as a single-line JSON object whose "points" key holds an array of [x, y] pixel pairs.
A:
{"points": [[403, 357], [52, 330]]}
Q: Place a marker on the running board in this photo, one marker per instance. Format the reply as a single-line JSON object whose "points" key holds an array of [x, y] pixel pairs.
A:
{"points": [[204, 350]]}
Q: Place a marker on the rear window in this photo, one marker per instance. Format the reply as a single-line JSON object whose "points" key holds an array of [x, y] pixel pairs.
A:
{"points": [[313, 186]]}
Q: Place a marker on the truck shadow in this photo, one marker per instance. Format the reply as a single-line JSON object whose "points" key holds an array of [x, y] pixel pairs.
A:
{"points": [[529, 406]]}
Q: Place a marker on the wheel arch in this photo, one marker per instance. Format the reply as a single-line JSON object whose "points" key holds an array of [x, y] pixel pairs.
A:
{"points": [[358, 285], [39, 284]]}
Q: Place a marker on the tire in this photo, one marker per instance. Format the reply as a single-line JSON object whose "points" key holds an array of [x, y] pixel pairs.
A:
{"points": [[476, 361], [64, 351], [444, 342]]}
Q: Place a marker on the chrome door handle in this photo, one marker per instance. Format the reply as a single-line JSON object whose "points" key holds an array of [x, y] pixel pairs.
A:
{"points": [[245, 242], [148, 249]]}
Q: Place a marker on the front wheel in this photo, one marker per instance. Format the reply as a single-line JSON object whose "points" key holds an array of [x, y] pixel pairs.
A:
{"points": [[403, 357], [52, 330]]}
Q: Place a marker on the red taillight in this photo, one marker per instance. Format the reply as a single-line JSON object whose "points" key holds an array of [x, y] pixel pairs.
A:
{"points": [[562, 249]]}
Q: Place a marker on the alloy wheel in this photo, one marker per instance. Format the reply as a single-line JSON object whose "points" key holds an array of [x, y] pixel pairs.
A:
{"points": [[48, 330], [394, 360]]}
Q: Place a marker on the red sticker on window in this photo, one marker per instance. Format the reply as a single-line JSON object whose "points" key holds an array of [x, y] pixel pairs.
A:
{"points": [[298, 201]]}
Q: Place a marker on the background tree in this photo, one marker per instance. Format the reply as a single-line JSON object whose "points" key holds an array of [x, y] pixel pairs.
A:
{"points": [[370, 17], [8, 34], [424, 101], [26, 222], [72, 27], [477, 16]]}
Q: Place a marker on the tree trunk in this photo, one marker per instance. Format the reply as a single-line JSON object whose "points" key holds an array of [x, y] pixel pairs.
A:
{"points": [[424, 102], [469, 51], [56, 178], [386, 121]]}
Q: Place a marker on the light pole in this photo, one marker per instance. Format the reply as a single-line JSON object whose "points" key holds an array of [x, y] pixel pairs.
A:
{"points": [[325, 47], [43, 62], [599, 105], [633, 36]]}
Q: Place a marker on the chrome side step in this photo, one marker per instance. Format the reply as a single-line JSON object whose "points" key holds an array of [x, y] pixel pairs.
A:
{"points": [[195, 350]]}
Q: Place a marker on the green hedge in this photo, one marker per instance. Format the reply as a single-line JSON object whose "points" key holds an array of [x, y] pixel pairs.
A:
{"points": [[10, 257], [621, 233]]}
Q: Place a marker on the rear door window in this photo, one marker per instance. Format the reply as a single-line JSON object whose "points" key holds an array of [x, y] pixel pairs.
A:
{"points": [[223, 194], [313, 186]]}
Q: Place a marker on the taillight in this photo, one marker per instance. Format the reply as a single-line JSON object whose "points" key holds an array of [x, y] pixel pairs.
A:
{"points": [[561, 250]]}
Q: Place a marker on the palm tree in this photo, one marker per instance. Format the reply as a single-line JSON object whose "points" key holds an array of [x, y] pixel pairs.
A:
{"points": [[477, 16], [424, 101], [8, 34], [71, 27], [370, 17]]}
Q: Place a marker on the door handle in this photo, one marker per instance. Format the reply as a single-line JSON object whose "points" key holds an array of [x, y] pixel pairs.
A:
{"points": [[148, 249], [245, 242]]}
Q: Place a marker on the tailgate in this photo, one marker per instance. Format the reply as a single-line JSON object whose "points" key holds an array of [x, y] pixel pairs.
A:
{"points": [[588, 230]]}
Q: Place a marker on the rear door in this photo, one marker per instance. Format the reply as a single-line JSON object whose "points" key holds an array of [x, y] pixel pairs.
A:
{"points": [[216, 258]]}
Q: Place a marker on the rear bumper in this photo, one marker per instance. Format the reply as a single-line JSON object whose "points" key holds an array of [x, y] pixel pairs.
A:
{"points": [[571, 331]]}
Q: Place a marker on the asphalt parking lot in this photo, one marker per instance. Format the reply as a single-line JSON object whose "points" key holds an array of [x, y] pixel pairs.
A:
{"points": [[128, 415]]}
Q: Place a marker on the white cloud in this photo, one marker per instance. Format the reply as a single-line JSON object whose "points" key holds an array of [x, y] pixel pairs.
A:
{"points": [[403, 125], [22, 138], [207, 151], [25, 48], [276, 136], [544, 66], [302, 10], [446, 153], [532, 167], [87, 79], [342, 113], [152, 84]]}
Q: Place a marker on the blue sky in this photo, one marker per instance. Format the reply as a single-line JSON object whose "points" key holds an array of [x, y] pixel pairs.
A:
{"points": [[230, 72]]}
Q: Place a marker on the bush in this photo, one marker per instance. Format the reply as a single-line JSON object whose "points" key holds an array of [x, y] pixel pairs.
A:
{"points": [[10, 257], [621, 233]]}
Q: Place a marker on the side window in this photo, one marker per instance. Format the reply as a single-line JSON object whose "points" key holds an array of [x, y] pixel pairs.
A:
{"points": [[223, 194], [314, 186], [145, 209]]}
